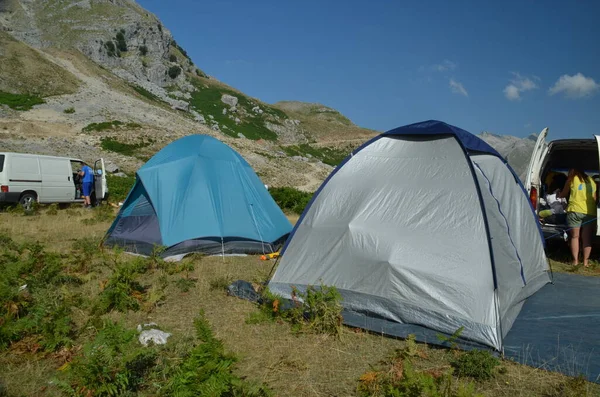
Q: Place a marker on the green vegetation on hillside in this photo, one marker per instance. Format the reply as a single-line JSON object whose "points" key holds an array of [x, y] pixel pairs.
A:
{"points": [[119, 187], [181, 50], [331, 156], [145, 93], [290, 199], [19, 101], [109, 125], [126, 149], [207, 101], [111, 50], [121, 43], [174, 71]]}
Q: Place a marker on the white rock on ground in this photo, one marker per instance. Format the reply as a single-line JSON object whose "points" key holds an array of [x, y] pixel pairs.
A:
{"points": [[229, 100]]}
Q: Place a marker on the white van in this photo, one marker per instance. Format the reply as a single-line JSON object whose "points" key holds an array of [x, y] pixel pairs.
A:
{"points": [[559, 156], [26, 178]]}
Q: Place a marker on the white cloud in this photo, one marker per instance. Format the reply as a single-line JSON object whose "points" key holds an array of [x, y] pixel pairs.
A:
{"points": [[458, 88], [512, 92], [519, 84], [444, 66], [576, 86]]}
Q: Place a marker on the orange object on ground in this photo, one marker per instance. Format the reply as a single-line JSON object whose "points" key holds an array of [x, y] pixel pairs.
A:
{"points": [[269, 256]]}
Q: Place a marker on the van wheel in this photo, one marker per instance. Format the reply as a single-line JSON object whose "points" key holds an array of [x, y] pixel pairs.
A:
{"points": [[27, 200]]}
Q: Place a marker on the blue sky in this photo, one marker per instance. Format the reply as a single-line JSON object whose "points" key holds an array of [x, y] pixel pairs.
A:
{"points": [[509, 67]]}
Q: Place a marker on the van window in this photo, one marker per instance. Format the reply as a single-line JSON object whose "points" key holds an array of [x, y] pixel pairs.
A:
{"points": [[1, 162]]}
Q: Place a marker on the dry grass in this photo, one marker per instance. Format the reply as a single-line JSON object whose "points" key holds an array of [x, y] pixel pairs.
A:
{"points": [[292, 365]]}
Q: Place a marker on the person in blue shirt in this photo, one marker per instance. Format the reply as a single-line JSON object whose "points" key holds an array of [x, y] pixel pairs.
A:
{"points": [[87, 175]]}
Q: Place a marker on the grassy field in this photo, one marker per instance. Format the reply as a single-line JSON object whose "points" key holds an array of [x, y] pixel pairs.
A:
{"points": [[288, 363]]}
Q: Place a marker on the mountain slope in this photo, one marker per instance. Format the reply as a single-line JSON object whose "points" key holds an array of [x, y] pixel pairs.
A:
{"points": [[517, 151], [108, 70]]}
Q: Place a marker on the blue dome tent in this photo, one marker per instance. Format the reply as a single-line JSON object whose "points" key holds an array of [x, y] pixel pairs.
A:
{"points": [[198, 195]]}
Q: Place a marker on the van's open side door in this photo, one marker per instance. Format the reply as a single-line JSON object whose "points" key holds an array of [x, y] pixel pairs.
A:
{"points": [[100, 185]]}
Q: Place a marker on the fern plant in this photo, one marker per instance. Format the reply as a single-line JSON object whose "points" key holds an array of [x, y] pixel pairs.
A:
{"points": [[208, 370], [112, 364], [122, 292]]}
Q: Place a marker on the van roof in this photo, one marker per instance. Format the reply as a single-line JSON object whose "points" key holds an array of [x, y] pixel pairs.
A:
{"points": [[41, 155]]}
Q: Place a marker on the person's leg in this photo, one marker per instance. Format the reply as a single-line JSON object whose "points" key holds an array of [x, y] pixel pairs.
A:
{"points": [[87, 191], [574, 221], [587, 232], [574, 243]]}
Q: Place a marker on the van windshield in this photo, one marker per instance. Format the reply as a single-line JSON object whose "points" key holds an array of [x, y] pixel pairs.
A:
{"points": [[1, 162]]}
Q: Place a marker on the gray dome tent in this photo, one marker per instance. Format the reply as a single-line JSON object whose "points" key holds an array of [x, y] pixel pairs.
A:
{"points": [[425, 225]]}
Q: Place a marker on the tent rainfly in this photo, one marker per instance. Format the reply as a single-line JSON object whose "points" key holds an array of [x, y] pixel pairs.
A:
{"points": [[198, 195], [425, 226]]}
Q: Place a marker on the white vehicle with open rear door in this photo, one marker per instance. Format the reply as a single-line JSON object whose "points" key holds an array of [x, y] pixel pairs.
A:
{"points": [[29, 178], [559, 156]]}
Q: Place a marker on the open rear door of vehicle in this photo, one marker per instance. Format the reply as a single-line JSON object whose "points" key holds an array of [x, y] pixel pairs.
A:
{"points": [[532, 178], [598, 201], [101, 187], [537, 156]]}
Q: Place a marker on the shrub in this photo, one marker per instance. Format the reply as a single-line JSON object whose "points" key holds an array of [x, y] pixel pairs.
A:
{"points": [[477, 364], [174, 71], [19, 101], [83, 251], [121, 43], [109, 125], [221, 283], [111, 364], [126, 149], [200, 73], [121, 292], [143, 50], [321, 308], [52, 209], [318, 309], [208, 370], [331, 156], [183, 52], [403, 380], [70, 110], [185, 284], [172, 58], [290, 199], [111, 50], [30, 303], [119, 187]]}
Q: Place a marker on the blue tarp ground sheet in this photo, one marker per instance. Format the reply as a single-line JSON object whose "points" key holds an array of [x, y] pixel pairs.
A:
{"points": [[558, 328]]}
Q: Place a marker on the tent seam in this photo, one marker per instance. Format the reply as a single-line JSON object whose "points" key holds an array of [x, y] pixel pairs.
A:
{"points": [[505, 221]]}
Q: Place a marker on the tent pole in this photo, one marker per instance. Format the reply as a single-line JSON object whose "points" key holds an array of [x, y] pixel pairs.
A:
{"points": [[222, 249]]}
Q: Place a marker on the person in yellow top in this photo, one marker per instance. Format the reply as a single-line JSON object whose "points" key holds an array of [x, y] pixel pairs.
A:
{"points": [[580, 190]]}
